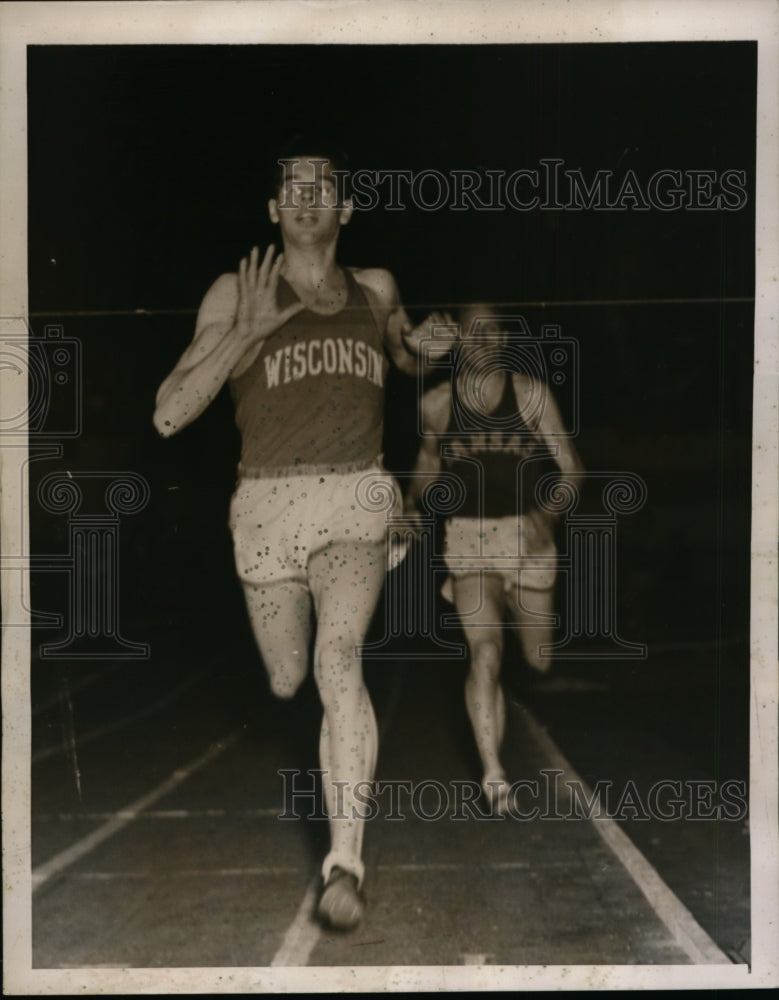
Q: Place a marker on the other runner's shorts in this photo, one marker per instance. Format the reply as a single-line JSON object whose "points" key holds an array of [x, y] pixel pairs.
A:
{"points": [[277, 522], [520, 549]]}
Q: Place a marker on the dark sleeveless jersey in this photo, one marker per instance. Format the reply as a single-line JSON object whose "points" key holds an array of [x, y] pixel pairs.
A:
{"points": [[498, 459], [314, 396]]}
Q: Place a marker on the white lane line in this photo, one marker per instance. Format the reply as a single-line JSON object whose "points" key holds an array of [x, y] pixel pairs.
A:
{"points": [[93, 965], [186, 873], [445, 866], [61, 861], [261, 871], [271, 813], [303, 933], [683, 927]]}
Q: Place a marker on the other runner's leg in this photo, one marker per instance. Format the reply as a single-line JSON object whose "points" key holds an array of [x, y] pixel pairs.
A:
{"points": [[479, 600], [532, 611]]}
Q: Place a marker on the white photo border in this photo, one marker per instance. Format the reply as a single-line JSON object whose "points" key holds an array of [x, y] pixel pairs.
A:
{"points": [[400, 22]]}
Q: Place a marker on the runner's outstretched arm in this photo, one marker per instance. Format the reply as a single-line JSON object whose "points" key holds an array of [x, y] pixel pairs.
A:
{"points": [[237, 314]]}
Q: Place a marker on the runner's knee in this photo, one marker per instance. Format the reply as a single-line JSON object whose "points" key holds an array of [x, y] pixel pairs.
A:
{"points": [[286, 676], [486, 657], [532, 650]]}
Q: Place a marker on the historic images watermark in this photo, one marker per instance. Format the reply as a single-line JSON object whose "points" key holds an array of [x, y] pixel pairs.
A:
{"points": [[548, 186], [543, 797], [50, 367]]}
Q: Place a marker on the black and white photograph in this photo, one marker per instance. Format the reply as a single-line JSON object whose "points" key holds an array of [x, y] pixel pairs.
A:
{"points": [[388, 449]]}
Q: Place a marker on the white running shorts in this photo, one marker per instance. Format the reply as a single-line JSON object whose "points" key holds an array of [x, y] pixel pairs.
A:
{"points": [[278, 522]]}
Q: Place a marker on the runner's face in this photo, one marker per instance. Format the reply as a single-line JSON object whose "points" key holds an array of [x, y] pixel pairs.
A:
{"points": [[481, 367], [481, 329], [307, 208]]}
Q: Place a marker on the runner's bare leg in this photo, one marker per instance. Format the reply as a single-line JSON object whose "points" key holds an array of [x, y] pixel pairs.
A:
{"points": [[526, 606], [479, 600], [280, 615], [345, 581]]}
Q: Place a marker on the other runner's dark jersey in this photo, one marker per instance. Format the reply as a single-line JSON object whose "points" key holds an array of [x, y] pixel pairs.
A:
{"points": [[497, 457]]}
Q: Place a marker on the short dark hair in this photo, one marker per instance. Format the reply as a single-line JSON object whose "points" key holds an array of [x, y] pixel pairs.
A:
{"points": [[300, 147]]}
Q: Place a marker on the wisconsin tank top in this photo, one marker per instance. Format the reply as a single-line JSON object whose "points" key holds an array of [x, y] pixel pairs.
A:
{"points": [[314, 396]]}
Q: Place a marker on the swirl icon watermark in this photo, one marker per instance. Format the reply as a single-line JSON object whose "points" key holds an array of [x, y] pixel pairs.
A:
{"points": [[92, 561]]}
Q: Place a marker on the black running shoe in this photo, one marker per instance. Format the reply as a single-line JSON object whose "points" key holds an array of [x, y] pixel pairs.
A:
{"points": [[341, 905]]}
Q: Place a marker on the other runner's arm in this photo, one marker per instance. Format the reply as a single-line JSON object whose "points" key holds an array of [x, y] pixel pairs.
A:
{"points": [[547, 421], [434, 415], [401, 337]]}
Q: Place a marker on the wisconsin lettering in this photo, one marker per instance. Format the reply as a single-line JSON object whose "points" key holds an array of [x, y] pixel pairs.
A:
{"points": [[331, 356]]}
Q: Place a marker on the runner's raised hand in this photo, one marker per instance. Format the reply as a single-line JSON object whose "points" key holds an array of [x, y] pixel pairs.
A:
{"points": [[438, 324], [258, 314]]}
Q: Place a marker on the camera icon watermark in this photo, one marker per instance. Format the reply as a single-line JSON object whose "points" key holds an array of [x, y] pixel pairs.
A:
{"points": [[489, 343], [46, 401]]}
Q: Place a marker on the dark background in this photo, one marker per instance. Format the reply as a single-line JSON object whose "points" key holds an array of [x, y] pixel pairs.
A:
{"points": [[145, 183]]}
